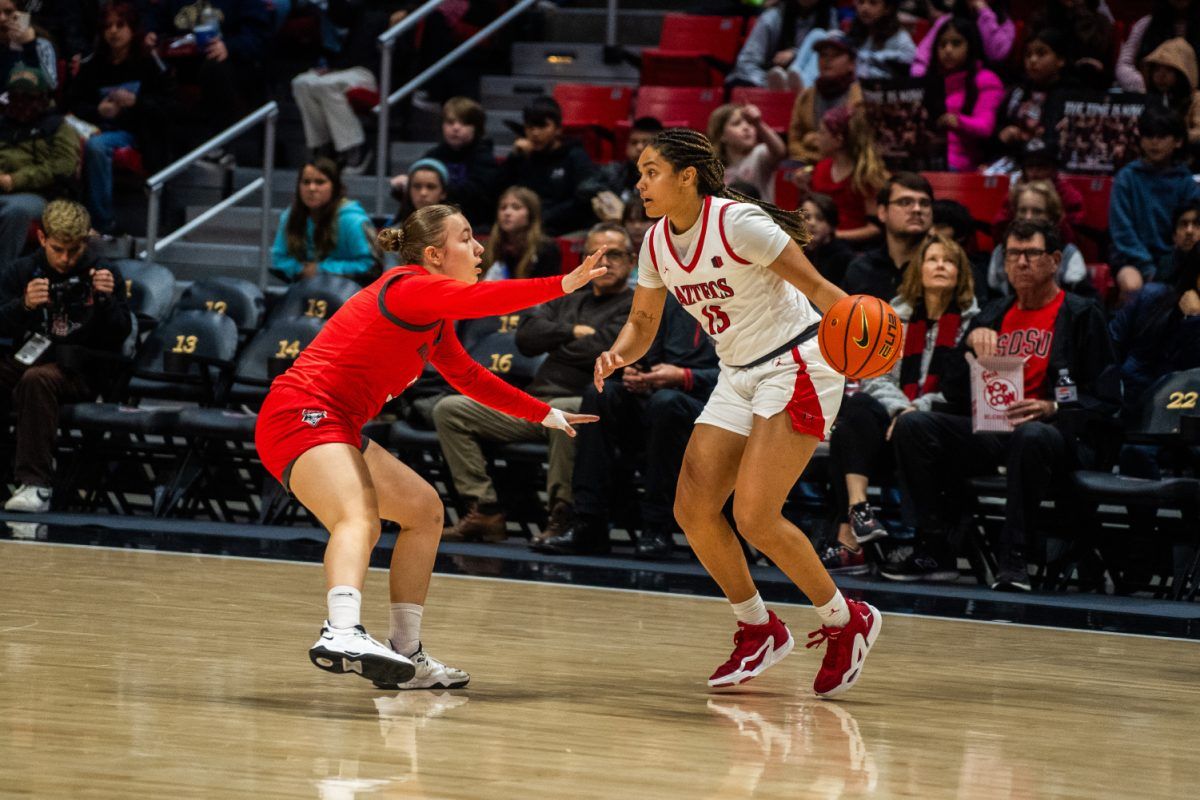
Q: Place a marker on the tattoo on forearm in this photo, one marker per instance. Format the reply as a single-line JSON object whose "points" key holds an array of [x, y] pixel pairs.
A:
{"points": [[644, 316]]}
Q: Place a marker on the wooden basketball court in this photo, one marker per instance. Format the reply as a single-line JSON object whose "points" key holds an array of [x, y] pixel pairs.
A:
{"points": [[144, 674]]}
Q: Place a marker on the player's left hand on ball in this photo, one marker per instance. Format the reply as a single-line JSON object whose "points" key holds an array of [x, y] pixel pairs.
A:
{"points": [[563, 421], [583, 274]]}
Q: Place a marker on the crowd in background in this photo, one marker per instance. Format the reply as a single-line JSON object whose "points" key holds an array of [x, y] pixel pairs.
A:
{"points": [[85, 80]]}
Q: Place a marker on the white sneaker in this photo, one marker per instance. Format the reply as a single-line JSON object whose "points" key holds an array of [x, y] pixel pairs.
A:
{"points": [[430, 674], [31, 499], [343, 650]]}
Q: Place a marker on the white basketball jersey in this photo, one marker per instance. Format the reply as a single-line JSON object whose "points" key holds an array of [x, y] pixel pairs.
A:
{"points": [[718, 272]]}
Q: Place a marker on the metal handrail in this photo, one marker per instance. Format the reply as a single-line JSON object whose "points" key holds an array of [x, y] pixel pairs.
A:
{"points": [[267, 114], [386, 100], [387, 42]]}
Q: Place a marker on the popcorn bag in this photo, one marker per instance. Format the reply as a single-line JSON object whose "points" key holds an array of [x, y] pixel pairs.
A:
{"points": [[996, 383]]}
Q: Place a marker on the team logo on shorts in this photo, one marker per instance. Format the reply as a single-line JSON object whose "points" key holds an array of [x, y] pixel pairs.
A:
{"points": [[312, 417]]}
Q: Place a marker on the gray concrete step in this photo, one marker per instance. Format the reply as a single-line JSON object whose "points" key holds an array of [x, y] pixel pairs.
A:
{"points": [[634, 26], [577, 62]]}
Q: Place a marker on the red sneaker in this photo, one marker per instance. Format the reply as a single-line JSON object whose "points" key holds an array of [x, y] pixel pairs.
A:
{"points": [[847, 649], [755, 647]]}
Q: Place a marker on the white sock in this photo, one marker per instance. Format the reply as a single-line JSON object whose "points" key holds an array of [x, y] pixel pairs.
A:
{"points": [[835, 613], [345, 606], [752, 611], [406, 627]]}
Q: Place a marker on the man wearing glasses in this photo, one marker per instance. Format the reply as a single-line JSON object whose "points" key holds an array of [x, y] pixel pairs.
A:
{"points": [[1055, 332], [906, 211], [572, 331]]}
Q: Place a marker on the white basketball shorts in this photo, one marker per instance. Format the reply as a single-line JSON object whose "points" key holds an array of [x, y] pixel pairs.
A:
{"points": [[798, 381]]}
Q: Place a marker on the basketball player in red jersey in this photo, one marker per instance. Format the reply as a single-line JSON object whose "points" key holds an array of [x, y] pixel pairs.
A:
{"points": [[309, 432], [736, 265]]}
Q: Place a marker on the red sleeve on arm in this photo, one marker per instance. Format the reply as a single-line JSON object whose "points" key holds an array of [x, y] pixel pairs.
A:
{"points": [[476, 382], [428, 298]]}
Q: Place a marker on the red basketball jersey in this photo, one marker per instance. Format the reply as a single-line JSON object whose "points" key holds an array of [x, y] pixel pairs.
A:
{"points": [[377, 344]]}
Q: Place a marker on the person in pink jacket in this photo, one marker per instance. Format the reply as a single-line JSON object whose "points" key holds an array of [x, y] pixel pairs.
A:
{"points": [[963, 96], [996, 31]]}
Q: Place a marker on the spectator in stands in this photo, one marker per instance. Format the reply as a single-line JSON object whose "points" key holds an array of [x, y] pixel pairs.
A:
{"points": [[72, 24], [1031, 108], [572, 332], [324, 231], [225, 66], [1158, 331], [1039, 162], [1169, 19], [774, 44], [425, 186], [39, 156], [127, 96], [850, 171], [953, 220], [22, 43], [747, 146], [1088, 30], [469, 159], [1145, 196], [905, 208], [1038, 201], [614, 184], [1056, 332], [517, 248], [1186, 227], [636, 224], [67, 326], [961, 94], [552, 167], [646, 418], [1172, 75], [828, 253], [885, 49], [936, 304], [996, 32], [835, 86], [331, 127]]}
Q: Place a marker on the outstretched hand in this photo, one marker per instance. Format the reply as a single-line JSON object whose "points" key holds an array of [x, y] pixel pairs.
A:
{"points": [[583, 274], [563, 421], [607, 363]]}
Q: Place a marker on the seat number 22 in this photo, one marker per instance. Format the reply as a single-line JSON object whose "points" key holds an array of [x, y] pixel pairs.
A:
{"points": [[716, 319]]}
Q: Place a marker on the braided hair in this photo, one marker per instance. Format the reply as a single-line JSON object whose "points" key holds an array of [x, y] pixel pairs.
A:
{"points": [[684, 147]]}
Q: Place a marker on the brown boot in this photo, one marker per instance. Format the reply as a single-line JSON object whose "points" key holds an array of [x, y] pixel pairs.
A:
{"points": [[561, 517], [477, 526]]}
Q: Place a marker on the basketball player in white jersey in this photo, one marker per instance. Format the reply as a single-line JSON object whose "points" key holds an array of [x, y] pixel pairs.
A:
{"points": [[736, 265]]}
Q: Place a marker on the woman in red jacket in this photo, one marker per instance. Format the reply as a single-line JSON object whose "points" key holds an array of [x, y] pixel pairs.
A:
{"points": [[309, 432]]}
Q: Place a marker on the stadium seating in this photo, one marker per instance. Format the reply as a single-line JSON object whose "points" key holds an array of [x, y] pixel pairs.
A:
{"points": [[319, 296], [239, 299], [687, 106], [692, 51], [776, 106], [1168, 420], [592, 113]]}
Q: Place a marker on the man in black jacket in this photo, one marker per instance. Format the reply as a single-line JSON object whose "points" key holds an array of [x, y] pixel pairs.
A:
{"points": [[557, 171], [67, 319], [1058, 333], [572, 332], [905, 207], [646, 418]]}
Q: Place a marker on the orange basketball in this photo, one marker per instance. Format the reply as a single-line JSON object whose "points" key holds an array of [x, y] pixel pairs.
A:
{"points": [[860, 336]]}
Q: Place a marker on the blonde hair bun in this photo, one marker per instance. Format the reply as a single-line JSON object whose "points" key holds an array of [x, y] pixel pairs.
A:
{"points": [[391, 239]]}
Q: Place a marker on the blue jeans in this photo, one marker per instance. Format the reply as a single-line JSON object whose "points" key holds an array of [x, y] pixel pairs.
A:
{"points": [[17, 211], [98, 175]]}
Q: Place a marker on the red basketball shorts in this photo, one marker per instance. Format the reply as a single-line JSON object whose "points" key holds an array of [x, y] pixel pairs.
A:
{"points": [[292, 422]]}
